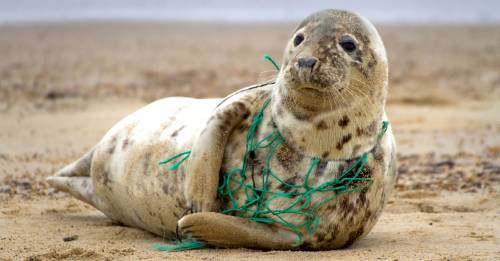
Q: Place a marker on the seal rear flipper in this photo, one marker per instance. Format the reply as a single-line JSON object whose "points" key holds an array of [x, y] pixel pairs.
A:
{"points": [[80, 188], [78, 168], [75, 179], [226, 231]]}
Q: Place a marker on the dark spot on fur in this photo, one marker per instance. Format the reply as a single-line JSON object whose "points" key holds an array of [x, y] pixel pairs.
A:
{"points": [[341, 168], [112, 143], [367, 217], [320, 168], [280, 111], [320, 236], [362, 197], [125, 144], [176, 132], [321, 125], [353, 236], [302, 116], [334, 230], [346, 207], [240, 106], [378, 154], [349, 210], [355, 149], [345, 139], [252, 158], [344, 202], [325, 154], [225, 125], [243, 127], [331, 207], [366, 172], [166, 188], [371, 129], [288, 157], [285, 132], [105, 178], [245, 116], [219, 115], [285, 188], [373, 60], [145, 162], [180, 203], [344, 121]]}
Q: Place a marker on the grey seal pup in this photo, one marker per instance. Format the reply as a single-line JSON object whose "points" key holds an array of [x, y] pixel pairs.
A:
{"points": [[265, 167]]}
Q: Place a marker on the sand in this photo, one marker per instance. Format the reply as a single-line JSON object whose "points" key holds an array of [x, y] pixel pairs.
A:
{"points": [[62, 86]]}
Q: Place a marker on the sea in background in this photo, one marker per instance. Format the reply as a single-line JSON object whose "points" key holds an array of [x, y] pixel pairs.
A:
{"points": [[379, 11]]}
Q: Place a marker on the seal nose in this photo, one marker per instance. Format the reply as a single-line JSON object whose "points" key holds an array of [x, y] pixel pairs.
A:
{"points": [[307, 62]]}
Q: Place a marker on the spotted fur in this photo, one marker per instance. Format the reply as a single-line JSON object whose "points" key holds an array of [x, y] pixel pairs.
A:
{"points": [[332, 111]]}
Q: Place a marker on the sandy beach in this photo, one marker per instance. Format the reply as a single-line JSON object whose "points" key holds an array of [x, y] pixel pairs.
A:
{"points": [[62, 86]]}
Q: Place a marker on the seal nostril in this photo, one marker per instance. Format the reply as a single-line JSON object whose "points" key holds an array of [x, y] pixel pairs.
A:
{"points": [[307, 62]]}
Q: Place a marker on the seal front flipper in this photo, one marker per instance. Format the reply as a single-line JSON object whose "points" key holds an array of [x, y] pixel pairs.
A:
{"points": [[236, 232], [205, 161]]}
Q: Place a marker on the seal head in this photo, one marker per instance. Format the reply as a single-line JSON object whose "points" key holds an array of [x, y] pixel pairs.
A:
{"points": [[334, 75]]}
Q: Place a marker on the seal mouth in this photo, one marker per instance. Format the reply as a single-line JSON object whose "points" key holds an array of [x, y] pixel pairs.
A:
{"points": [[313, 89]]}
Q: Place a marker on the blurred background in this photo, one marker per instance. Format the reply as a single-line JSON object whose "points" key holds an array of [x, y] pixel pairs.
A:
{"points": [[380, 11], [70, 69]]}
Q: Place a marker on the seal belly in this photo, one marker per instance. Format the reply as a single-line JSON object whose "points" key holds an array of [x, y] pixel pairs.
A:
{"points": [[125, 170]]}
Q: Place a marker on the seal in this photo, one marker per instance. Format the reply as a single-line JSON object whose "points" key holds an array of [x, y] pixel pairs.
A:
{"points": [[326, 105]]}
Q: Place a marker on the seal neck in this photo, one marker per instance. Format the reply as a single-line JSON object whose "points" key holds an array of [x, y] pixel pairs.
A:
{"points": [[344, 132]]}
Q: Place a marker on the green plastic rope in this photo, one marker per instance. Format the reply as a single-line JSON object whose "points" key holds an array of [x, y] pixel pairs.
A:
{"points": [[176, 165], [258, 200], [180, 246], [269, 58]]}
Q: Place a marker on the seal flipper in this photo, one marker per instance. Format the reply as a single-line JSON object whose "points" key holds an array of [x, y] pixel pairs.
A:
{"points": [[75, 179], [79, 187], [79, 168], [226, 231]]}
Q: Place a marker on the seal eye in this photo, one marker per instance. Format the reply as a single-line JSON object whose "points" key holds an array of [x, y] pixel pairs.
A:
{"points": [[298, 39], [348, 44]]}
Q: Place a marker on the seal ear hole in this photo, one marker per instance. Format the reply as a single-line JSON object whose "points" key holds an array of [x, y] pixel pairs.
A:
{"points": [[348, 44], [299, 38]]}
